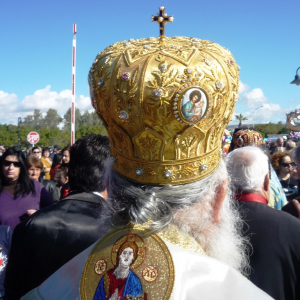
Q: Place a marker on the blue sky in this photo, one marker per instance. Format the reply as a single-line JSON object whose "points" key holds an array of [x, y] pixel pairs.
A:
{"points": [[36, 48]]}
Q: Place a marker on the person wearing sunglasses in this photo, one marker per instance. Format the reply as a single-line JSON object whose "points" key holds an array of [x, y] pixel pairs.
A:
{"points": [[19, 195], [36, 152], [285, 168]]}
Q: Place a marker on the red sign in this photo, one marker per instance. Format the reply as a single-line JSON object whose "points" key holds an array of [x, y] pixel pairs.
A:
{"points": [[33, 137]]}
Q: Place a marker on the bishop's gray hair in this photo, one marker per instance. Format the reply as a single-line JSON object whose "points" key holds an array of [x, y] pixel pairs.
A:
{"points": [[140, 203]]}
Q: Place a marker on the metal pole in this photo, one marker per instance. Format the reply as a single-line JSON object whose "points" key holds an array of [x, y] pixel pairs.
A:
{"points": [[19, 121], [73, 85]]}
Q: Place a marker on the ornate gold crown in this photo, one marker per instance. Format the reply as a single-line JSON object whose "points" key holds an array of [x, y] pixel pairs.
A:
{"points": [[165, 103], [247, 137]]}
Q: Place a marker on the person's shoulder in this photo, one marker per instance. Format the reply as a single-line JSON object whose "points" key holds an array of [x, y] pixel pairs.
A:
{"points": [[271, 215], [47, 182], [37, 185]]}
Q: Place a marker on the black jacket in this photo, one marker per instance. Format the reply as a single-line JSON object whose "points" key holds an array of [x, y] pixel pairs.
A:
{"points": [[275, 238], [50, 238], [52, 189]]}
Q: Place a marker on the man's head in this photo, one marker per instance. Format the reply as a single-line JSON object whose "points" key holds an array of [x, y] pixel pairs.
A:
{"points": [[280, 142], [248, 168], [36, 152], [87, 163], [290, 145], [56, 149]]}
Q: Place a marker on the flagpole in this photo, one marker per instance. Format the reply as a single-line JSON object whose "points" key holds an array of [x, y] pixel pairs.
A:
{"points": [[73, 85]]}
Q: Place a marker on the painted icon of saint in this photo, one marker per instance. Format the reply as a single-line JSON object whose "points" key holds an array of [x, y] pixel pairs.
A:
{"points": [[121, 283], [192, 110]]}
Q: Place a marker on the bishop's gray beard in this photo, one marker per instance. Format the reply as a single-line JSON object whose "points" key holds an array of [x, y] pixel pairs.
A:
{"points": [[222, 240]]}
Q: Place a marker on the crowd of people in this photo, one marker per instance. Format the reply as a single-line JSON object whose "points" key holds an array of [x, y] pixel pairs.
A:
{"points": [[25, 189]]}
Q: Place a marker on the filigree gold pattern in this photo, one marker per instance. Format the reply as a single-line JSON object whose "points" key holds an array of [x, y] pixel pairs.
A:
{"points": [[143, 85]]}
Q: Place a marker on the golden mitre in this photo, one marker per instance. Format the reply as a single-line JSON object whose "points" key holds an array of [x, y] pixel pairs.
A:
{"points": [[165, 103], [247, 137]]}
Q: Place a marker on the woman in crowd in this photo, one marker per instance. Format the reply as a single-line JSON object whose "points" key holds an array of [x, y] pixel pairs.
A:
{"points": [[57, 161], [19, 195], [287, 175], [35, 168], [47, 162], [66, 154], [63, 180]]}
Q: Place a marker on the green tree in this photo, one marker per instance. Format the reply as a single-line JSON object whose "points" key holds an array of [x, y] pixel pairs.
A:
{"points": [[28, 120], [241, 118], [38, 121], [52, 119], [284, 130], [67, 120], [85, 130], [96, 119], [86, 119]]}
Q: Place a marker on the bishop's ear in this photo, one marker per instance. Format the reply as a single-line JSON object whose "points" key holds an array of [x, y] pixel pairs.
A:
{"points": [[219, 200]]}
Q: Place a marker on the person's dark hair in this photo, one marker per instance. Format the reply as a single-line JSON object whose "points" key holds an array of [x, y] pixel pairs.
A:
{"points": [[64, 169], [45, 149], [25, 185], [56, 160], [87, 160], [195, 93]]}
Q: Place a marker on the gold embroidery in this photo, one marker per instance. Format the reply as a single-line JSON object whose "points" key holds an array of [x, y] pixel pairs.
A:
{"points": [[150, 273], [154, 269], [178, 238], [106, 285], [100, 266]]}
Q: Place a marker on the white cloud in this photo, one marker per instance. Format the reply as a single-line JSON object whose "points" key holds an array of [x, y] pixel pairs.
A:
{"points": [[254, 98], [243, 88], [7, 99], [41, 99]]}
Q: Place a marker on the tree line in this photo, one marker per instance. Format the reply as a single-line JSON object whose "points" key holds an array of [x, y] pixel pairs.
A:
{"points": [[266, 129], [48, 128], [271, 128]]}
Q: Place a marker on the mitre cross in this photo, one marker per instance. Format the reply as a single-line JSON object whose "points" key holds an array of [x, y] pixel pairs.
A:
{"points": [[162, 19]]}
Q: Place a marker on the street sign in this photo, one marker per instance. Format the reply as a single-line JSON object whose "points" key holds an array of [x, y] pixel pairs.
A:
{"points": [[33, 137]]}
